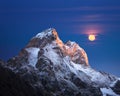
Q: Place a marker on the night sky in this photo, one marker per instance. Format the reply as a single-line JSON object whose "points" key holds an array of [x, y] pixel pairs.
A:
{"points": [[20, 20]]}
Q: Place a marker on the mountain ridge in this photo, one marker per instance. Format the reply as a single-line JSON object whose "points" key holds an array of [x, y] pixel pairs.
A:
{"points": [[60, 69]]}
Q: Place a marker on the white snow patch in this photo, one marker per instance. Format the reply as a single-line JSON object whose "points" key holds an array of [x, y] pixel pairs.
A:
{"points": [[66, 47], [72, 42], [51, 54], [95, 76], [33, 54], [73, 45], [113, 83], [67, 62], [109, 91], [45, 33]]}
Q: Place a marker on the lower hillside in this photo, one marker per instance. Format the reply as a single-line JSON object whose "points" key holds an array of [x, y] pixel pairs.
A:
{"points": [[12, 85]]}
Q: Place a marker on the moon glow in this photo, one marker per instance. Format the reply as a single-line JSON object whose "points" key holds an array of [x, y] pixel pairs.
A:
{"points": [[91, 37]]}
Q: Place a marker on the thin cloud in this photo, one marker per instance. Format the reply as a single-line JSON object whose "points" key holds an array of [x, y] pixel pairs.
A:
{"points": [[95, 28], [85, 8], [82, 8], [89, 29], [86, 18]]}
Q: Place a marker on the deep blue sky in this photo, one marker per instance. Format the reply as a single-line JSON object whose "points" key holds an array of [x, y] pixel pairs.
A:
{"points": [[20, 20]]}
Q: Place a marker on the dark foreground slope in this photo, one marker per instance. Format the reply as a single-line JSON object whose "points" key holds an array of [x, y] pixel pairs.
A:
{"points": [[13, 85]]}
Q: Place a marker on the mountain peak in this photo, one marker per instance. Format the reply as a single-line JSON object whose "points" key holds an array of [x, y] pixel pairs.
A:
{"points": [[45, 33], [45, 37], [50, 37], [51, 34]]}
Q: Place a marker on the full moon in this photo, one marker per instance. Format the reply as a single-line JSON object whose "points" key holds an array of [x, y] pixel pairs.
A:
{"points": [[91, 37]]}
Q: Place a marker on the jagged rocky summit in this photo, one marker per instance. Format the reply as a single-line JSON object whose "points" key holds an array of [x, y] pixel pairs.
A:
{"points": [[50, 67]]}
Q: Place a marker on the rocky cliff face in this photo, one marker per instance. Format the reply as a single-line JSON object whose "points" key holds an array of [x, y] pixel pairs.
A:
{"points": [[58, 69]]}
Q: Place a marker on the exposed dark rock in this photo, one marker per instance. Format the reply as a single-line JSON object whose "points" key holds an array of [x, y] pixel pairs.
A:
{"points": [[116, 88], [13, 85]]}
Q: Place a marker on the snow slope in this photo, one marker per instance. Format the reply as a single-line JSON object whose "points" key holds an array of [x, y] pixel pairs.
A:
{"points": [[108, 91], [33, 55]]}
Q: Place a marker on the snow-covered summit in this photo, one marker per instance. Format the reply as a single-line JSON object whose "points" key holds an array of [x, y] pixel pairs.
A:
{"points": [[50, 37], [44, 33]]}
